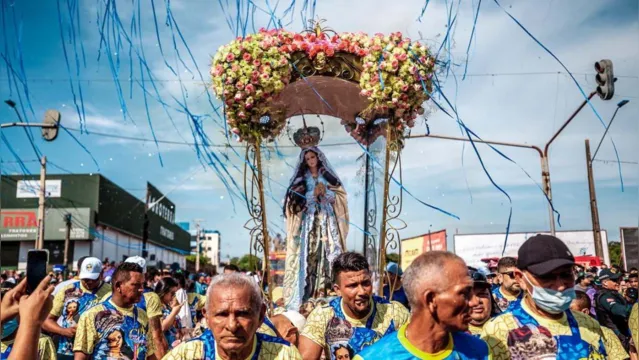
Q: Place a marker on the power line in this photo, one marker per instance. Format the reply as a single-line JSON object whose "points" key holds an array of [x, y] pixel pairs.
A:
{"points": [[531, 73], [617, 162], [172, 142]]}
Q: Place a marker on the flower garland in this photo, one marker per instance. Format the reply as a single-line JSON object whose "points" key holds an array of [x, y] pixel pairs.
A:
{"points": [[251, 71]]}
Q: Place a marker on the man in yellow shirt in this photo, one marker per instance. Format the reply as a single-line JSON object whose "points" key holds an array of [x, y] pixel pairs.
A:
{"points": [[582, 304], [72, 301], [508, 294], [544, 326], [355, 319], [234, 311], [116, 328], [633, 323]]}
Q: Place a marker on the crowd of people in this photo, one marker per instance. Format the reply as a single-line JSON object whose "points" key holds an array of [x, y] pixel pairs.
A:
{"points": [[538, 305]]}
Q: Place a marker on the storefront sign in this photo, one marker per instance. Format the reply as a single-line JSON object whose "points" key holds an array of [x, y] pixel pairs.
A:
{"points": [[31, 189], [22, 224]]}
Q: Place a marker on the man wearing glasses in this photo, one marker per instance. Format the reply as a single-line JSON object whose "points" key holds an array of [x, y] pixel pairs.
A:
{"points": [[508, 295], [612, 309], [543, 326]]}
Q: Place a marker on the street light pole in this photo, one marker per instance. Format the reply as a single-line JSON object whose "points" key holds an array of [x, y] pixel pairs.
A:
{"points": [[543, 155], [545, 167], [41, 200]]}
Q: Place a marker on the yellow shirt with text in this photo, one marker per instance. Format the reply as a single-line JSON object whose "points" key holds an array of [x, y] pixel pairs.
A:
{"points": [[46, 348], [87, 336], [319, 318], [495, 332], [194, 350]]}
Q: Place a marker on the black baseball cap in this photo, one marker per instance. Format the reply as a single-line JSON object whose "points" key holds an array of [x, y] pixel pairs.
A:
{"points": [[542, 254], [606, 274]]}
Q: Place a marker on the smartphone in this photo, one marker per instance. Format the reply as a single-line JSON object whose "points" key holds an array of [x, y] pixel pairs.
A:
{"points": [[37, 261]]}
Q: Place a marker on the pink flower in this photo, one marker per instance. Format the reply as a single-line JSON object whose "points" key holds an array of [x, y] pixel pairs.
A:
{"points": [[249, 88], [235, 131], [235, 67], [330, 51], [239, 85], [241, 115], [230, 57], [402, 57], [264, 76], [239, 95], [246, 56]]}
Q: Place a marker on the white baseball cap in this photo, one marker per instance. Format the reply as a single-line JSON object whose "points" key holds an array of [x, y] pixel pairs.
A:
{"points": [[296, 318], [137, 260], [90, 269]]}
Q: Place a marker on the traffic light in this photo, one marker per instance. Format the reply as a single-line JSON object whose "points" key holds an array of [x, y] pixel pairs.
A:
{"points": [[605, 79]]}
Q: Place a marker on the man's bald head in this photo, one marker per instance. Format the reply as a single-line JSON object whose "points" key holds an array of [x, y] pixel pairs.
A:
{"points": [[430, 271]]}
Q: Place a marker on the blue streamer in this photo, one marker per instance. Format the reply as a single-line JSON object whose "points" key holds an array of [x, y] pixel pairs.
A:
{"points": [[421, 15], [82, 146], [583, 93], [470, 41], [374, 158]]}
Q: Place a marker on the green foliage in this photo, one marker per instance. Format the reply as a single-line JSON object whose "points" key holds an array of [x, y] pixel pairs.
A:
{"points": [[204, 260], [392, 257], [248, 262], [614, 248]]}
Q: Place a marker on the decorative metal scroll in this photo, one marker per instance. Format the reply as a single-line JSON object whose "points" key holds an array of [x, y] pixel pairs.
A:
{"points": [[392, 201], [342, 65], [257, 224]]}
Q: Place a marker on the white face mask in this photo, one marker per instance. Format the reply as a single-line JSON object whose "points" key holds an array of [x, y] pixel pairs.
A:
{"points": [[551, 301]]}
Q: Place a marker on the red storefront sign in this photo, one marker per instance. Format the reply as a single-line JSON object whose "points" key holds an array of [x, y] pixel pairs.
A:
{"points": [[19, 219]]}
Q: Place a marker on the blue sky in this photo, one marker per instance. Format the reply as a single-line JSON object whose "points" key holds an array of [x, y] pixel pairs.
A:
{"points": [[514, 92]]}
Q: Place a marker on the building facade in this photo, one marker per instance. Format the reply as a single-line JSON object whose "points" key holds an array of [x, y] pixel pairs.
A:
{"points": [[210, 242], [105, 221]]}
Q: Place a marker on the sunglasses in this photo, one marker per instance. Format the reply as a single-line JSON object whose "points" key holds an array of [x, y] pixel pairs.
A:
{"points": [[509, 273]]}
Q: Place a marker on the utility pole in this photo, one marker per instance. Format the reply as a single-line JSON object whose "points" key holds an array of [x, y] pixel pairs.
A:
{"points": [[594, 211], [145, 225], [67, 238], [49, 128], [197, 247], [41, 199], [366, 200]]}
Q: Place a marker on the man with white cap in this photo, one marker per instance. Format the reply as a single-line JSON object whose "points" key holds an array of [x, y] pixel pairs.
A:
{"points": [[72, 301]]}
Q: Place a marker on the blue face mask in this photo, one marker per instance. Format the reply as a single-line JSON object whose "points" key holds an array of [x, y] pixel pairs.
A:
{"points": [[552, 301], [9, 328]]}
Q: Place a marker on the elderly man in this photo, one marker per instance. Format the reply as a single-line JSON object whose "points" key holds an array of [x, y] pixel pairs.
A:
{"points": [[508, 294], [440, 314], [234, 311], [116, 328], [353, 320], [72, 301], [543, 326]]}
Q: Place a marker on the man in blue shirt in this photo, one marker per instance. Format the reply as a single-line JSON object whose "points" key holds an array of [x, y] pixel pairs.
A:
{"points": [[439, 317], [394, 277]]}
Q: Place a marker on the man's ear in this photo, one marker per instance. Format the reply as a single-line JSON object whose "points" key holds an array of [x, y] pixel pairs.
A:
{"points": [[337, 290], [262, 313], [586, 311], [428, 297]]}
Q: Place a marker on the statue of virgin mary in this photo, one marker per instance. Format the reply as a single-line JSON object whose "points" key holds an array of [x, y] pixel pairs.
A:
{"points": [[316, 214]]}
